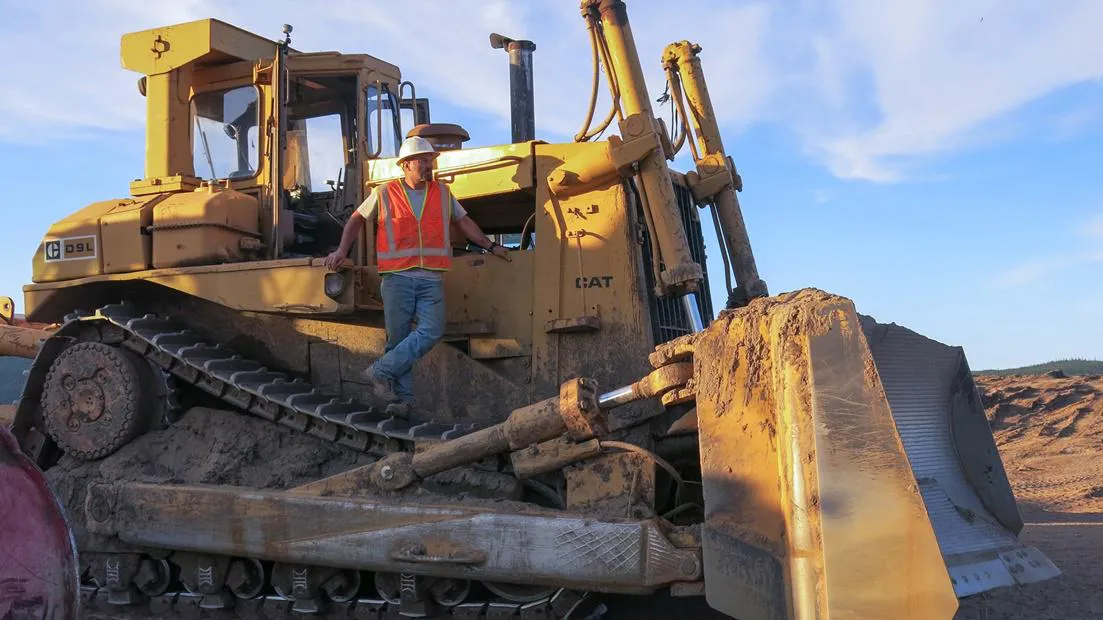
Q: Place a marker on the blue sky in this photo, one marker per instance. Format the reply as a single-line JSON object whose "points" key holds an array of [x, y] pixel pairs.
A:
{"points": [[935, 162]]}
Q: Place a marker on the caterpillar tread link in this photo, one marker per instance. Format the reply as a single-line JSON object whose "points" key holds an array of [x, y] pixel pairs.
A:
{"points": [[590, 439]]}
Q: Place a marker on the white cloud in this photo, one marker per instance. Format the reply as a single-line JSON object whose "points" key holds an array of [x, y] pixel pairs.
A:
{"points": [[1034, 270], [442, 47], [735, 53], [1071, 123], [871, 88], [62, 78], [940, 71], [1094, 227]]}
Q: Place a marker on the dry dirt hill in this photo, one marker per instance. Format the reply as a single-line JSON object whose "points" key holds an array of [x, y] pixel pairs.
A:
{"points": [[1049, 430]]}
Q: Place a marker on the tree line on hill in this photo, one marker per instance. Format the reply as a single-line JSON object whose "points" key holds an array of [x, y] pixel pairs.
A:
{"points": [[1075, 366]]}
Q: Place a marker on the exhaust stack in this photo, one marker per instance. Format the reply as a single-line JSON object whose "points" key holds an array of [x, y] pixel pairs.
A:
{"points": [[521, 104]]}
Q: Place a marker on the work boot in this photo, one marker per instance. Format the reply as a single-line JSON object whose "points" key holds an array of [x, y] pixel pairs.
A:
{"points": [[381, 386], [400, 409]]}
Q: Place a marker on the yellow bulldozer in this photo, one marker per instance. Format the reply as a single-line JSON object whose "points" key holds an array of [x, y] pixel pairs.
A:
{"points": [[195, 437]]}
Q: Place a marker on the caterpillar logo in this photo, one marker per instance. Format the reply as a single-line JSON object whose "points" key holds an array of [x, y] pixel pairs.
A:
{"points": [[593, 282], [69, 248]]}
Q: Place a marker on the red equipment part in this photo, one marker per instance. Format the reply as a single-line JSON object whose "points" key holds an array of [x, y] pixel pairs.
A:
{"points": [[38, 562]]}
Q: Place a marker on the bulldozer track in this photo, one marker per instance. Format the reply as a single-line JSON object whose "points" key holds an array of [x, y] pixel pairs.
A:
{"points": [[133, 599], [562, 605], [185, 605], [188, 359], [250, 386]]}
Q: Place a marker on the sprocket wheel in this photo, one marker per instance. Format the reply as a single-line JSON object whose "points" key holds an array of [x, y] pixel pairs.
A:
{"points": [[93, 399]]}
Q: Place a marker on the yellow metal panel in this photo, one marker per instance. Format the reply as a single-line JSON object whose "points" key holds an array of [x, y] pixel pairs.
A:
{"points": [[487, 171], [297, 290], [471, 173], [36, 300], [495, 348], [125, 246], [294, 286], [483, 288], [321, 63], [589, 242], [168, 137], [71, 248], [202, 227], [587, 261], [160, 185], [163, 49]]}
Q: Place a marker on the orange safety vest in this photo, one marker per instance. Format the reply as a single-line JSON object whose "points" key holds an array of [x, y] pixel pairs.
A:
{"points": [[403, 241]]}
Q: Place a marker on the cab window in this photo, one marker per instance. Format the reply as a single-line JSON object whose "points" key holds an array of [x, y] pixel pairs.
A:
{"points": [[224, 133], [315, 152], [382, 141]]}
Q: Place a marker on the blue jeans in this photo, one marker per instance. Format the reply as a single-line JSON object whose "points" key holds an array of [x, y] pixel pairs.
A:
{"points": [[406, 299]]}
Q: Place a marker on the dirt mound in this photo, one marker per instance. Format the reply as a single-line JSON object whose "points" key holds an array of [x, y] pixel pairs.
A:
{"points": [[1049, 430], [207, 446]]}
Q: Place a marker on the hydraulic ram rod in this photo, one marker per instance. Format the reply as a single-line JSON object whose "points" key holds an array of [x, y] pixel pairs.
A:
{"points": [[715, 176]]}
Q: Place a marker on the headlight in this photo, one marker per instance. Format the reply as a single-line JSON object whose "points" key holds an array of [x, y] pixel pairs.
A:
{"points": [[335, 284]]}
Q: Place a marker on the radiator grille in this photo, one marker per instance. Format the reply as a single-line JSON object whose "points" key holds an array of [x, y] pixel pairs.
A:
{"points": [[668, 318]]}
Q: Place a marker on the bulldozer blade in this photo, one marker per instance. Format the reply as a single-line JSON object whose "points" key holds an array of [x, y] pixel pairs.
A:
{"points": [[942, 425], [38, 563], [813, 505]]}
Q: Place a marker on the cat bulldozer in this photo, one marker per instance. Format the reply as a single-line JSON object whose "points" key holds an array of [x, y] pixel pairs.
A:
{"points": [[590, 438]]}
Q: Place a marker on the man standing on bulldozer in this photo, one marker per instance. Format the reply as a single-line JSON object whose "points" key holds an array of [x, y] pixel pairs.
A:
{"points": [[413, 250]]}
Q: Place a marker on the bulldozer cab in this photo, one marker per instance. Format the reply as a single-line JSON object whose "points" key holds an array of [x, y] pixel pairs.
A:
{"points": [[307, 134], [294, 130]]}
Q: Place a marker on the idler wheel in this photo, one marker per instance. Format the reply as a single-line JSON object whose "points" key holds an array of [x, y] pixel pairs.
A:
{"points": [[93, 399]]}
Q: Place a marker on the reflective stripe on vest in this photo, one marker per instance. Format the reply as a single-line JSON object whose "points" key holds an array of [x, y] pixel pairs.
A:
{"points": [[404, 241]]}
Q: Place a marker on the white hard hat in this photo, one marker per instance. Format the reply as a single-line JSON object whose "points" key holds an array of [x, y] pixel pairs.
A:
{"points": [[413, 146]]}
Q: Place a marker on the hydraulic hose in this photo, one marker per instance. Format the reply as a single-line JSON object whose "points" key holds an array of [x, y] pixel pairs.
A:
{"points": [[581, 135]]}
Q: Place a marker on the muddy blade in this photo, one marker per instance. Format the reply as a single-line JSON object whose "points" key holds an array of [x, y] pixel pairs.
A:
{"points": [[813, 509], [953, 455], [38, 564]]}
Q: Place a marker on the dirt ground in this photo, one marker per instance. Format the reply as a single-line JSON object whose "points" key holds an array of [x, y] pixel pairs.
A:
{"points": [[1050, 435]]}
